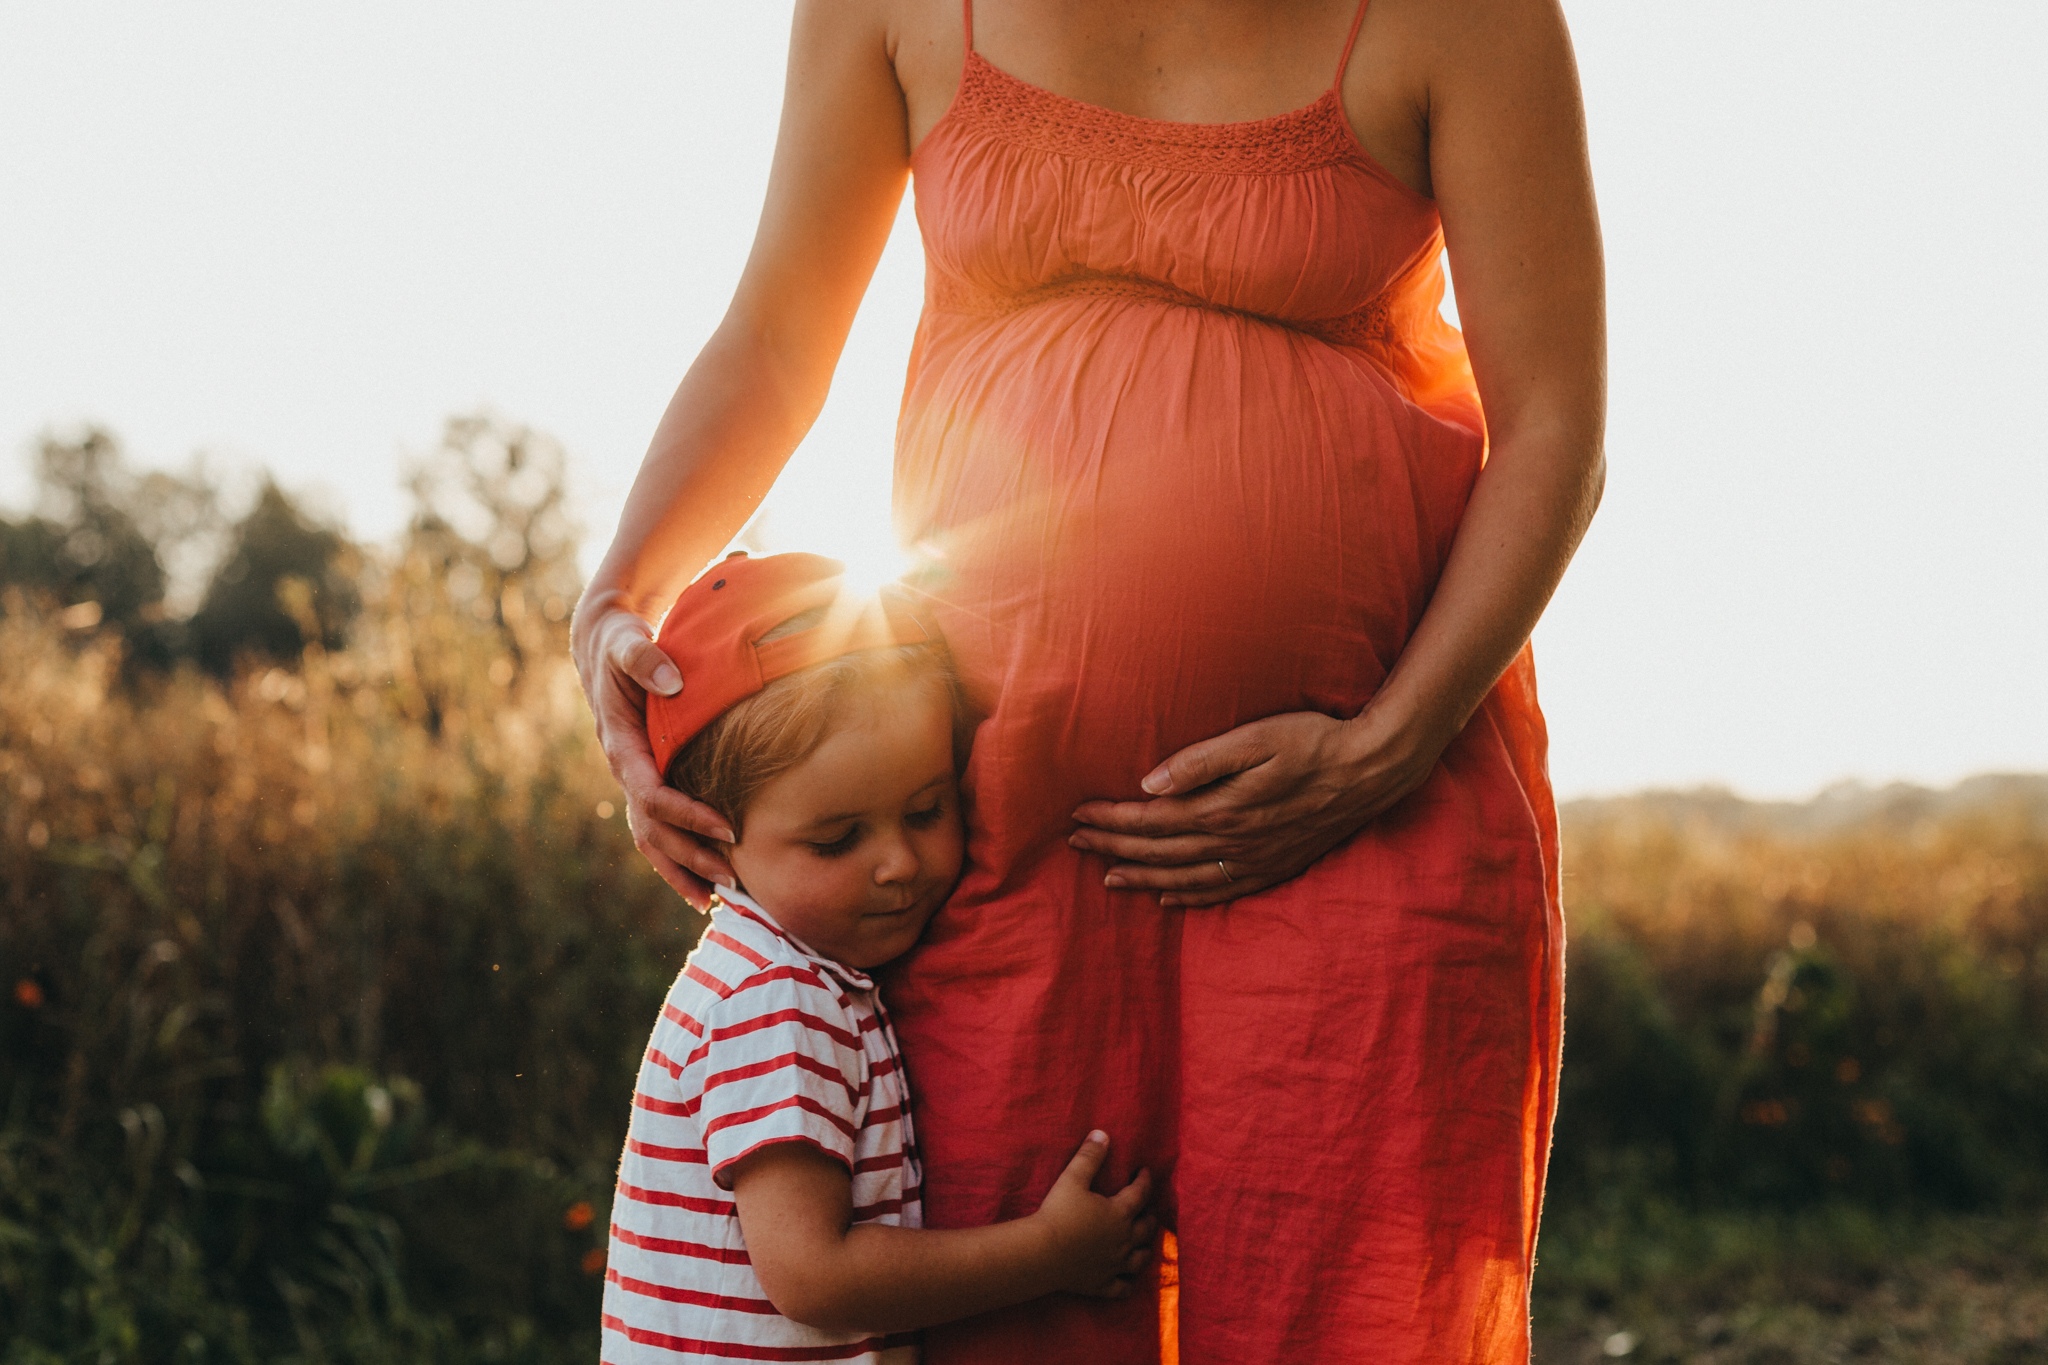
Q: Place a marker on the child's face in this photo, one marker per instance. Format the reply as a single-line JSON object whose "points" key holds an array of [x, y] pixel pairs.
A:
{"points": [[853, 849]]}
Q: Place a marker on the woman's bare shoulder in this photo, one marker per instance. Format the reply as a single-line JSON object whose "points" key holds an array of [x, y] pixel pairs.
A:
{"points": [[917, 45], [1415, 58]]}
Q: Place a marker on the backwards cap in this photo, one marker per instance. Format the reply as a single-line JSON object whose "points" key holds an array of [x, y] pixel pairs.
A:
{"points": [[713, 636]]}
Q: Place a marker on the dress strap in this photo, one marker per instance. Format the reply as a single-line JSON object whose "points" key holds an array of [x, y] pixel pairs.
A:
{"points": [[1350, 39], [967, 21]]}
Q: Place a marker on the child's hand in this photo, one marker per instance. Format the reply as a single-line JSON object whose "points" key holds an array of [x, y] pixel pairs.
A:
{"points": [[1102, 1240]]}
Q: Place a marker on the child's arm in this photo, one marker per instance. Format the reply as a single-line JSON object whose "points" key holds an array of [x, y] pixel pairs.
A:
{"points": [[796, 1210]]}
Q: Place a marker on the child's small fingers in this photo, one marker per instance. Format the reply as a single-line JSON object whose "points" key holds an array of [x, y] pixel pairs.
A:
{"points": [[1087, 1160], [1137, 1260], [1133, 1196], [1145, 1230]]}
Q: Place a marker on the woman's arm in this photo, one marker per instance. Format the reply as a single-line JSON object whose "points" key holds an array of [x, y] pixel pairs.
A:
{"points": [[1498, 94], [796, 1214], [841, 160]]}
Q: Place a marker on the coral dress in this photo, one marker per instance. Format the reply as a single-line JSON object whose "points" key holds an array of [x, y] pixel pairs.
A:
{"points": [[1191, 441]]}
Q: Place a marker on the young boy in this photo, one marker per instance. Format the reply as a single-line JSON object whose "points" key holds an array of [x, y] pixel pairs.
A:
{"points": [[767, 1204]]}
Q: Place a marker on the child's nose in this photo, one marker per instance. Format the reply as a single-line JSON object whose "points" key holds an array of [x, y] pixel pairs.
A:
{"points": [[898, 862]]}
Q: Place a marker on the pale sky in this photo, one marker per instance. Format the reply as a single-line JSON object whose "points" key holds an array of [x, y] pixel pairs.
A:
{"points": [[299, 236]]}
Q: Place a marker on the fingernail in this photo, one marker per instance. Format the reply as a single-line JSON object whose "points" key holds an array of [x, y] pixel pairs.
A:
{"points": [[1169, 902], [1114, 879], [1074, 841], [1158, 783], [726, 885], [1097, 1135], [667, 681], [724, 835]]}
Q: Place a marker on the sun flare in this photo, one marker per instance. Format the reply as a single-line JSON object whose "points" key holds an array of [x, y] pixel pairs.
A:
{"points": [[843, 518]]}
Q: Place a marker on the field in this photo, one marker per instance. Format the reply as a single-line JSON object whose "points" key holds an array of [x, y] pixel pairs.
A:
{"points": [[1803, 1113], [326, 973], [1841, 1284]]}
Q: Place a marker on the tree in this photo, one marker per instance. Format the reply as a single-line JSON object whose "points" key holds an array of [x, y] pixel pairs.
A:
{"points": [[286, 583], [88, 547]]}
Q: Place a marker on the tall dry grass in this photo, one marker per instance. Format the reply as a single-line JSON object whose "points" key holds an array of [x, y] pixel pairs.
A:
{"points": [[325, 990], [1777, 1010]]}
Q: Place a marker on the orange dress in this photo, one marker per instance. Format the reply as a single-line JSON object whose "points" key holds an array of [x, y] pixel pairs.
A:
{"points": [[1190, 442]]}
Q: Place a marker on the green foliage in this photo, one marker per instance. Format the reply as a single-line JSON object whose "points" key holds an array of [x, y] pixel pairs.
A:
{"points": [[319, 1023], [1658, 1281], [322, 987], [1778, 1019]]}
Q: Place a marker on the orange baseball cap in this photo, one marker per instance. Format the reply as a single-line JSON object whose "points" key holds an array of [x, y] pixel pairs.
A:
{"points": [[713, 636]]}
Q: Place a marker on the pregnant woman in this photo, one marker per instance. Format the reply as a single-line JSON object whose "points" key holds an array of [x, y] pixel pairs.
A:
{"points": [[1263, 859]]}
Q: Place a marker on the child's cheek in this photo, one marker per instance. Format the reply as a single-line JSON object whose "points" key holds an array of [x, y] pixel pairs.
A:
{"points": [[828, 893]]}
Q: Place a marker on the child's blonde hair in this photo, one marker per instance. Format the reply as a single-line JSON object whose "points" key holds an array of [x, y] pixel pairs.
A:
{"points": [[728, 762]]}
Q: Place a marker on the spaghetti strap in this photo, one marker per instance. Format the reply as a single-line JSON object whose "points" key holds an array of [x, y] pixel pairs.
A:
{"points": [[967, 22], [1350, 39]]}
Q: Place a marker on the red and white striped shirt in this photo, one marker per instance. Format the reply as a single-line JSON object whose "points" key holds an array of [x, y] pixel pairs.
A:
{"points": [[760, 1041]]}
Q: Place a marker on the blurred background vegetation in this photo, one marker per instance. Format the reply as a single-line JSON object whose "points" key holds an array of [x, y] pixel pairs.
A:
{"points": [[327, 961]]}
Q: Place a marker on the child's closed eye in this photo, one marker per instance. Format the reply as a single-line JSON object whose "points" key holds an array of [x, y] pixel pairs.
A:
{"points": [[835, 848], [926, 818]]}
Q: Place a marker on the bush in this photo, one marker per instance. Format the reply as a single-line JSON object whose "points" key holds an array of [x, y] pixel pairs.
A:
{"points": [[1767, 1015], [326, 991]]}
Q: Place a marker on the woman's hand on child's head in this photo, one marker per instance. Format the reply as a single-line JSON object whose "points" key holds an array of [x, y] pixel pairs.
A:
{"points": [[619, 664], [1103, 1240]]}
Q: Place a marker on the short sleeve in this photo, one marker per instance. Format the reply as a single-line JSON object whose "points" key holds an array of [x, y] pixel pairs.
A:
{"points": [[783, 1063]]}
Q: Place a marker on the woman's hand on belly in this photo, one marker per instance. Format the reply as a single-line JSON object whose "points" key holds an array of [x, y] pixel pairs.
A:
{"points": [[1255, 806]]}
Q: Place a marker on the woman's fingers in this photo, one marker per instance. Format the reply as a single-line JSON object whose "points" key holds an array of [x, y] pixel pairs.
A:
{"points": [[1186, 877], [644, 662], [1206, 811], [1162, 815], [1248, 810], [685, 883], [1206, 874], [632, 762], [672, 831], [1202, 763], [687, 851], [1178, 802], [622, 731], [686, 813], [1163, 851]]}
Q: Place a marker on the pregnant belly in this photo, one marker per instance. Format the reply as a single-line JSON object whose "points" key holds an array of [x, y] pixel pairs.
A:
{"points": [[1157, 521]]}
